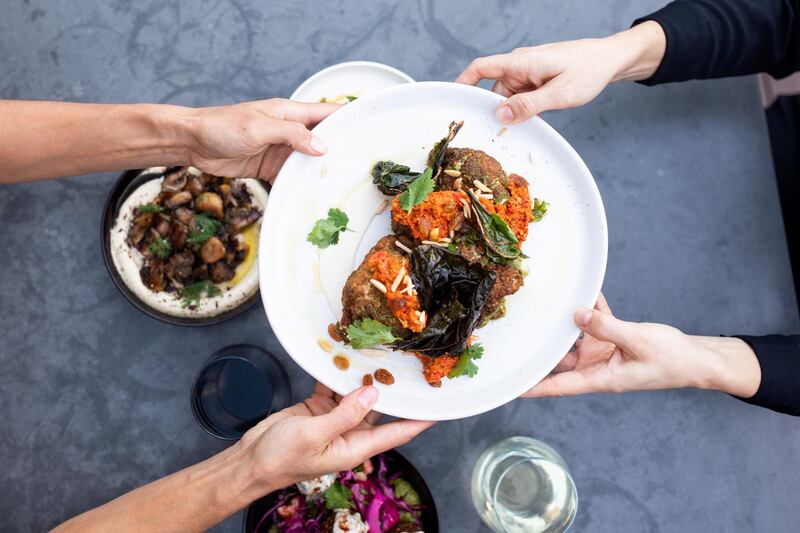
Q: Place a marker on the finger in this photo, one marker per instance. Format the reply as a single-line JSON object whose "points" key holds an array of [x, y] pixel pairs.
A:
{"points": [[501, 89], [373, 418], [490, 67], [602, 304], [606, 327], [364, 443], [322, 390], [523, 106], [565, 384], [273, 160], [347, 415], [303, 112], [297, 136], [567, 363]]}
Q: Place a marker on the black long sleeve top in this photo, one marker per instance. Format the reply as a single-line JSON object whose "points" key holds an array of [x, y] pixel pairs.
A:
{"points": [[720, 38]]}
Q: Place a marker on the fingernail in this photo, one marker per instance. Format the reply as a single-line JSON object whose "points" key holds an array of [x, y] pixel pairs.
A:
{"points": [[318, 145], [505, 114], [368, 397], [582, 317]]}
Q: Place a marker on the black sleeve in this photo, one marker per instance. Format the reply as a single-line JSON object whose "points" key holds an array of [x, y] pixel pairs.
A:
{"points": [[719, 38], [779, 359]]}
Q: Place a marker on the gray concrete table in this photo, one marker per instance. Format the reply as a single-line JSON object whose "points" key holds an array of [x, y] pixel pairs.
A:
{"points": [[94, 394]]}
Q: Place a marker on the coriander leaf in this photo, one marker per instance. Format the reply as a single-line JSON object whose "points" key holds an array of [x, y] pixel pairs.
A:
{"points": [[465, 366], [192, 294], [418, 191], [539, 209], [406, 517], [337, 496], [351, 98], [160, 247], [402, 489], [205, 227], [150, 208], [326, 230], [368, 332]]}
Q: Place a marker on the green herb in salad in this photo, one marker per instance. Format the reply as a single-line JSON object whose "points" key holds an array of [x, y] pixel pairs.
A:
{"points": [[402, 489], [150, 208], [501, 243], [326, 230], [368, 332], [465, 365], [192, 294], [205, 227], [539, 209], [160, 247], [337, 496]]}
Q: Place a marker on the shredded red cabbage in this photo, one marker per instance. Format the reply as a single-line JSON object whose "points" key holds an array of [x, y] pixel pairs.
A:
{"points": [[373, 499]]}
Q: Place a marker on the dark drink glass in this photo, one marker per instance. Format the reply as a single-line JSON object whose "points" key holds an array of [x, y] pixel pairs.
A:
{"points": [[237, 387]]}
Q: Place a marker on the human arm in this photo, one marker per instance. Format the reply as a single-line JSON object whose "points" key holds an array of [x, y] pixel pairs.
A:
{"points": [[306, 440], [687, 39], [618, 356], [40, 140]]}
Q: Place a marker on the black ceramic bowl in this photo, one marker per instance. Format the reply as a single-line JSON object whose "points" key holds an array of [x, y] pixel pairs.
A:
{"points": [[128, 182], [430, 519]]}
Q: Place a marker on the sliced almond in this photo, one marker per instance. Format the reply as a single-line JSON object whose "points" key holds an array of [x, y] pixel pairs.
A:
{"points": [[398, 278], [457, 183], [452, 172], [402, 246], [480, 185], [378, 285]]}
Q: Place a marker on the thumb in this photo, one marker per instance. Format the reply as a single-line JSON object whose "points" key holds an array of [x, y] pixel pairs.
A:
{"points": [[348, 414], [605, 327], [523, 106], [299, 137]]}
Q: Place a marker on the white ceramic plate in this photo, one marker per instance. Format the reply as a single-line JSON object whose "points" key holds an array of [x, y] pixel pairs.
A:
{"points": [[301, 285], [354, 78]]}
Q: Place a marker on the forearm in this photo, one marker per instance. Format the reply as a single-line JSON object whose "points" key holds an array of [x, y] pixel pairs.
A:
{"points": [[193, 499], [50, 139], [719, 38], [639, 51], [726, 364]]}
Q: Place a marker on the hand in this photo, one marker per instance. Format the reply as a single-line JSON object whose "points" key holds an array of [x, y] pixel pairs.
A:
{"points": [[322, 435], [617, 356], [567, 74], [253, 139]]}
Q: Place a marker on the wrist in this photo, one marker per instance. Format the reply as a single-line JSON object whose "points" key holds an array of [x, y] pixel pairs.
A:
{"points": [[174, 127], [732, 366], [255, 476], [640, 50]]}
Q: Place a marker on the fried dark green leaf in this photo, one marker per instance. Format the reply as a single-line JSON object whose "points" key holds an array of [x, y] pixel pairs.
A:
{"points": [[501, 243], [392, 178]]}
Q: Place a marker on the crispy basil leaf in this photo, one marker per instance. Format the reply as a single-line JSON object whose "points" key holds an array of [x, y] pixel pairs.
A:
{"points": [[452, 292], [436, 157], [501, 243], [392, 178]]}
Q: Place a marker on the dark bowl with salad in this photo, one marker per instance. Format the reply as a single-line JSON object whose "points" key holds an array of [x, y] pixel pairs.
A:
{"points": [[384, 494]]}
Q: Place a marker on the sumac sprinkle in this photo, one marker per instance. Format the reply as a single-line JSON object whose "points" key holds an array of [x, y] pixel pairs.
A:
{"points": [[367, 380], [384, 376], [333, 333], [341, 362]]}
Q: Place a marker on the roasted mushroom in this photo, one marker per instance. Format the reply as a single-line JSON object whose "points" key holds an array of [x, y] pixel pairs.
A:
{"points": [[211, 203], [241, 217], [212, 251], [174, 181], [221, 272], [180, 266], [178, 233], [179, 198], [184, 215], [196, 186]]}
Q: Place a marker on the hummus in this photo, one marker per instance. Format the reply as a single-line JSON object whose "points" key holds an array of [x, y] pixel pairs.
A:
{"points": [[129, 261]]}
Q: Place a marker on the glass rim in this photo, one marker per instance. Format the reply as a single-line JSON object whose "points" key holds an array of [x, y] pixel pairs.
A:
{"points": [[537, 458]]}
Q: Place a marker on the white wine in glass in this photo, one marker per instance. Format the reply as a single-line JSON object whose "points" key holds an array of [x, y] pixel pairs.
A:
{"points": [[522, 485]]}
